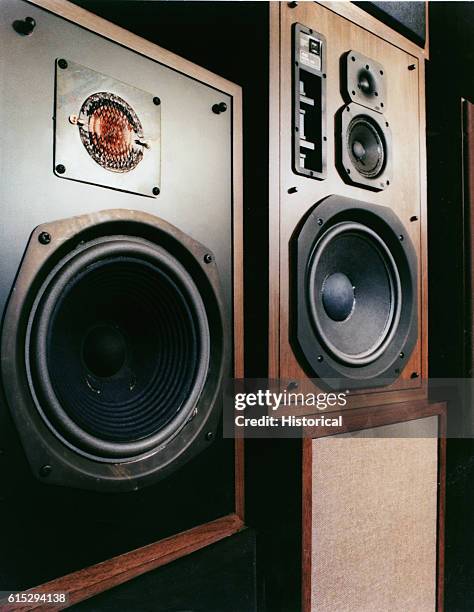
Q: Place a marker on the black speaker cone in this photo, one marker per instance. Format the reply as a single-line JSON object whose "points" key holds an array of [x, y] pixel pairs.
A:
{"points": [[354, 293], [119, 347], [366, 145], [366, 83]]}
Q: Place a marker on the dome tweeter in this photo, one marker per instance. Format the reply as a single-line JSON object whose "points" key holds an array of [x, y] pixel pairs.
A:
{"points": [[364, 81]]}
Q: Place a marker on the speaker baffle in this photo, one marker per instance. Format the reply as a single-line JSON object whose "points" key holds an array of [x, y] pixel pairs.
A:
{"points": [[119, 323], [364, 81], [365, 148], [354, 293]]}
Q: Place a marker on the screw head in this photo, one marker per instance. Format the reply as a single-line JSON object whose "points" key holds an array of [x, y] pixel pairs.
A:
{"points": [[320, 358], [208, 258], [402, 355], [44, 238], [401, 237], [320, 221], [62, 64], [209, 436], [292, 385], [219, 108], [156, 101], [156, 191], [292, 189], [60, 169], [24, 27], [45, 471]]}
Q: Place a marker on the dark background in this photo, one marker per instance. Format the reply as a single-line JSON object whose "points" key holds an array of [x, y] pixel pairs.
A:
{"points": [[231, 39], [449, 79]]}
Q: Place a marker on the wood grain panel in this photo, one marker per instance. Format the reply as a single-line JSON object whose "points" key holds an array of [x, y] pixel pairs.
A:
{"points": [[406, 194], [85, 583]]}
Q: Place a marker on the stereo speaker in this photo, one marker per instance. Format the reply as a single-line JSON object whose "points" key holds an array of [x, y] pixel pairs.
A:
{"points": [[348, 251], [121, 294], [360, 522]]}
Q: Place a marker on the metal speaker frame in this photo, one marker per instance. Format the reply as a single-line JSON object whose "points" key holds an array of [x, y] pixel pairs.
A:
{"points": [[309, 345], [381, 128], [58, 458]]}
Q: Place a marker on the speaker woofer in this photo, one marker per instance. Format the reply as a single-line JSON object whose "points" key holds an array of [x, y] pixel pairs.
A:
{"points": [[368, 297], [354, 293], [117, 350], [365, 148], [119, 346]]}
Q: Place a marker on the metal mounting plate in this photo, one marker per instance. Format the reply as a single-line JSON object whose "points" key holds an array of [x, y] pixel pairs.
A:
{"points": [[135, 123]]}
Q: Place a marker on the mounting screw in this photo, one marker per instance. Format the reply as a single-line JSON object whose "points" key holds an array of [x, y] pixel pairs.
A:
{"points": [[62, 64], [219, 108], [414, 218], [320, 221], [156, 101], [402, 355], [60, 169], [45, 471], [320, 358], [292, 385], [24, 26], [156, 191], [209, 436], [292, 4], [411, 67], [44, 238], [414, 375], [401, 237], [208, 258], [292, 189]]}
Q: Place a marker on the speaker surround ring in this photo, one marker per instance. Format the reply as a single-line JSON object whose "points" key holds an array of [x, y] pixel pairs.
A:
{"points": [[55, 415], [367, 343]]}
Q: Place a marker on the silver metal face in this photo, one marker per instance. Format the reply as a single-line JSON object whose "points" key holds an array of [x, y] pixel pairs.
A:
{"points": [[106, 132]]}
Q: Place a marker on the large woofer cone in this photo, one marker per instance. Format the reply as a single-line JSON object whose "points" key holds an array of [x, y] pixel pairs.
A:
{"points": [[354, 293], [118, 345], [366, 146]]}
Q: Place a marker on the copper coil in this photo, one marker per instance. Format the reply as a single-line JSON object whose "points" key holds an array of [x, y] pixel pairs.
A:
{"points": [[111, 132]]}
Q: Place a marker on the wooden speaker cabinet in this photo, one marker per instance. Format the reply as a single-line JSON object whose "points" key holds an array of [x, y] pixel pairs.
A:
{"points": [[121, 312], [350, 524], [347, 168]]}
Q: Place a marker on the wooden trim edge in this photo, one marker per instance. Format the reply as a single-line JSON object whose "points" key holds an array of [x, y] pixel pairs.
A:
{"points": [[442, 419], [91, 581], [307, 525]]}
